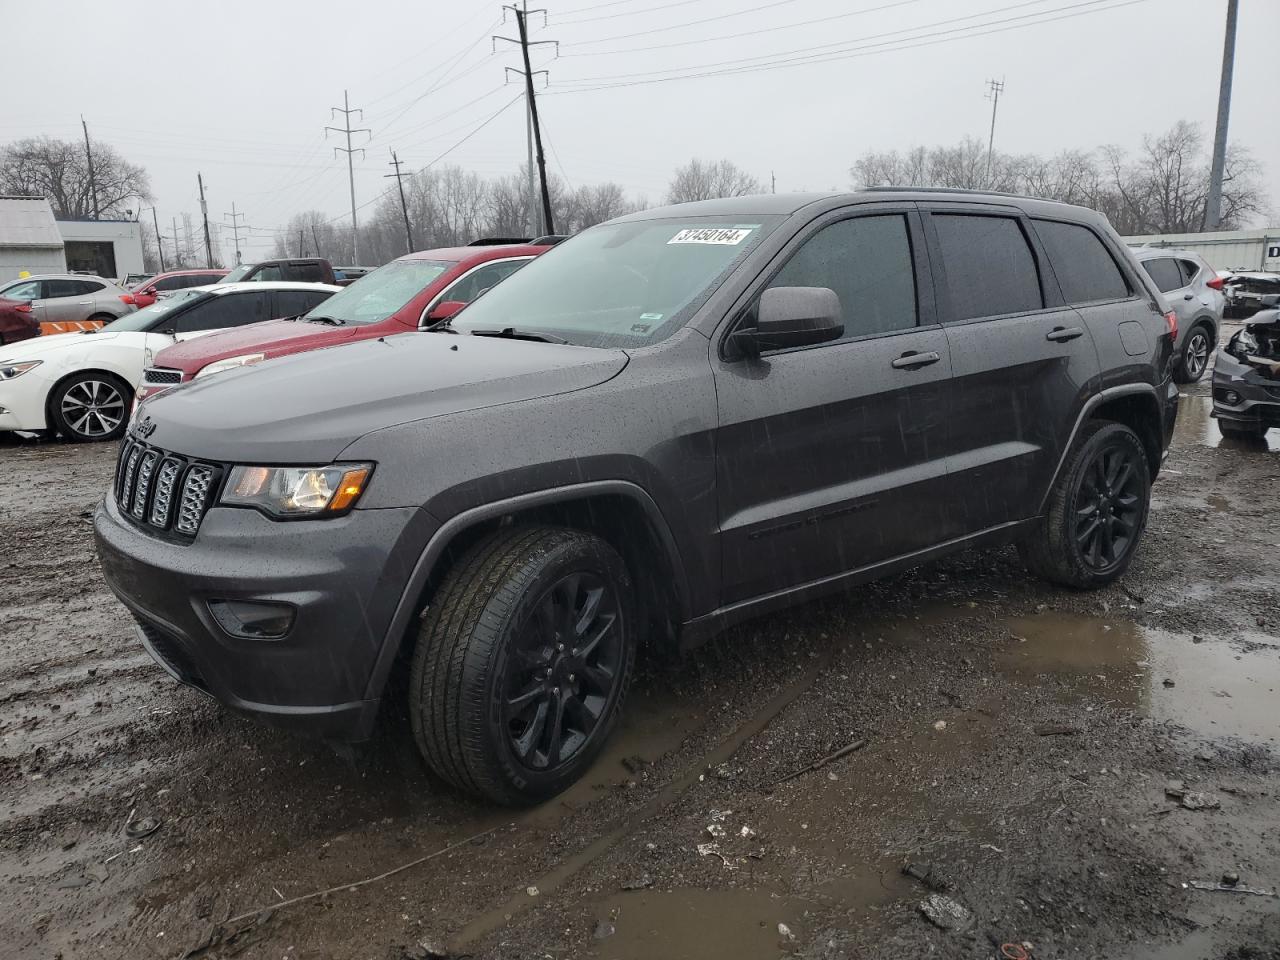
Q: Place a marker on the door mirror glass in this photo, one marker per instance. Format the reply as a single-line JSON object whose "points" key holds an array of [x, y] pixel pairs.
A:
{"points": [[792, 317], [444, 310]]}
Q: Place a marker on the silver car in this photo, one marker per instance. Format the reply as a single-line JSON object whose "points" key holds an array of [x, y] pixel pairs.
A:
{"points": [[66, 302], [1194, 290]]}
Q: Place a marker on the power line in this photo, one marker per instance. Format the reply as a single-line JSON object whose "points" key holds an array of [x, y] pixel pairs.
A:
{"points": [[856, 52], [744, 33], [346, 110], [689, 23], [626, 13]]}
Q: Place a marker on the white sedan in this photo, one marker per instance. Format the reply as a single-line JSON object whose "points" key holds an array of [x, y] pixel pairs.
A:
{"points": [[82, 384]]}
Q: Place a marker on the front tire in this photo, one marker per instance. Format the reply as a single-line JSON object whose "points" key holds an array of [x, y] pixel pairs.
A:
{"points": [[91, 406], [1097, 510], [522, 663], [1196, 351]]}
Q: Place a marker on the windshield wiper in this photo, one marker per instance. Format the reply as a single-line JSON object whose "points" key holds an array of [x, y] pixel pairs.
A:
{"points": [[334, 321], [513, 333]]}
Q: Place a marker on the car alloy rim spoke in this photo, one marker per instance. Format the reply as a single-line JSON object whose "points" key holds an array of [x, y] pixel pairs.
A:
{"points": [[555, 731], [582, 716], [1090, 528], [590, 607], [532, 735], [531, 694], [79, 425], [588, 647]]}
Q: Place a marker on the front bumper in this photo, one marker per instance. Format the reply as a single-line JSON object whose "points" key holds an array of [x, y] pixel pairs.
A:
{"points": [[344, 576], [1257, 398]]}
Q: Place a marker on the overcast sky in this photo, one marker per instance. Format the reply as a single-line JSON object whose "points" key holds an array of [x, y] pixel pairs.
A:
{"points": [[241, 91]]}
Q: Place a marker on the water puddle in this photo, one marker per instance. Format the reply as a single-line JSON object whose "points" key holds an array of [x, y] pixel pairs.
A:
{"points": [[1196, 426], [1213, 688]]}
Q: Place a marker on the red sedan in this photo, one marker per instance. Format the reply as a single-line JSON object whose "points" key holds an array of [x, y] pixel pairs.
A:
{"points": [[407, 294], [146, 292], [17, 321]]}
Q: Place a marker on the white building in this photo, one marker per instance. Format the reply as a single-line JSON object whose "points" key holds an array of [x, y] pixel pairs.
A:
{"points": [[1227, 250], [108, 248], [29, 238]]}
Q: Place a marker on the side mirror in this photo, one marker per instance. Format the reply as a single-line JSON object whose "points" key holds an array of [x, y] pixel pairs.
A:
{"points": [[149, 292], [792, 317], [444, 310]]}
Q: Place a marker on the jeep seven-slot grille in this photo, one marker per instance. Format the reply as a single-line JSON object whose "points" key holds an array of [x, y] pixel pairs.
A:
{"points": [[162, 491]]}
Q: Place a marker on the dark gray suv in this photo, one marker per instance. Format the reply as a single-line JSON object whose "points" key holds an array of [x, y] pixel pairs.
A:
{"points": [[670, 423]]}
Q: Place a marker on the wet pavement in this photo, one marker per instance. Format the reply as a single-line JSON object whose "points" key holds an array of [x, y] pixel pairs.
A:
{"points": [[1018, 743]]}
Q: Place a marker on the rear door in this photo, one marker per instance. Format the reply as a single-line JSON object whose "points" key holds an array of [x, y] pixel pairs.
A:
{"points": [[223, 312], [69, 300], [830, 458], [1172, 281], [1022, 359]]}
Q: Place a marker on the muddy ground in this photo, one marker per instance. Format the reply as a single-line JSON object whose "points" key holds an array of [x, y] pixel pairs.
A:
{"points": [[1019, 740]]}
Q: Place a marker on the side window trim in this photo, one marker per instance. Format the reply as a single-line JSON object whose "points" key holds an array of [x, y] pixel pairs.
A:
{"points": [[1051, 296], [926, 305], [439, 297]]}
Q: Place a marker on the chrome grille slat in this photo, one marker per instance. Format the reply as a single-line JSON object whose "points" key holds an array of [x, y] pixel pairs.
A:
{"points": [[146, 467], [125, 447], [126, 488], [195, 494], [166, 480]]}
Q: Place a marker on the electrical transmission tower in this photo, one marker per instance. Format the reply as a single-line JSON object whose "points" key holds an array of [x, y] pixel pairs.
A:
{"points": [[347, 129], [995, 88], [535, 131], [235, 227], [404, 207]]}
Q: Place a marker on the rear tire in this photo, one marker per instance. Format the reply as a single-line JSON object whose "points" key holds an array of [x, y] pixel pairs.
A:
{"points": [[522, 663], [1197, 348], [1097, 510], [91, 406]]}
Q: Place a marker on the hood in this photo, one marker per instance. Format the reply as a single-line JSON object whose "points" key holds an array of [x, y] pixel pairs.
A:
{"points": [[37, 347], [308, 407], [270, 337], [1263, 319]]}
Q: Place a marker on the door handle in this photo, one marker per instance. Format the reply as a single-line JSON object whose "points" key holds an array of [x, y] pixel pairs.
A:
{"points": [[1188, 296], [911, 360], [86, 303], [1063, 334]]}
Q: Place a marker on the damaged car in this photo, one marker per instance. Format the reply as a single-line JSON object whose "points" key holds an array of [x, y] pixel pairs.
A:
{"points": [[1246, 376]]}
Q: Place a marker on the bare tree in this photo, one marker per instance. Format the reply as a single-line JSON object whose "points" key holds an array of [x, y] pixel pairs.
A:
{"points": [[1160, 190], [697, 180], [58, 169]]}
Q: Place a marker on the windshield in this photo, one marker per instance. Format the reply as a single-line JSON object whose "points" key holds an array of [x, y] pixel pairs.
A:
{"points": [[238, 273], [620, 284], [379, 294], [144, 318]]}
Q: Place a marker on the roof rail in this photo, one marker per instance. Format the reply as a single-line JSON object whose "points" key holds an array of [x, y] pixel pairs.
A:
{"points": [[962, 191], [549, 240], [495, 241]]}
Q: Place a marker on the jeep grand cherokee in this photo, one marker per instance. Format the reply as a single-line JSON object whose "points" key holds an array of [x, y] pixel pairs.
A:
{"points": [[672, 422]]}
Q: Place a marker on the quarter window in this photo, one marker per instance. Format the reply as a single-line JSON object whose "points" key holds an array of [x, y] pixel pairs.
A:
{"points": [[293, 303], [30, 290], [1189, 270], [1164, 271], [1086, 271], [990, 268], [867, 262]]}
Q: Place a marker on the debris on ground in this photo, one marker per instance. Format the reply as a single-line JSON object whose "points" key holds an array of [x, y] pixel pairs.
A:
{"points": [[1230, 888], [823, 761], [604, 929], [643, 882], [929, 875], [1175, 789], [1201, 801], [1055, 730], [531, 891], [785, 932], [945, 913], [424, 950], [142, 827]]}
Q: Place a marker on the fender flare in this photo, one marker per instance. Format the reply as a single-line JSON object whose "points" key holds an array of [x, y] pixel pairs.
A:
{"points": [[407, 607], [1110, 393]]}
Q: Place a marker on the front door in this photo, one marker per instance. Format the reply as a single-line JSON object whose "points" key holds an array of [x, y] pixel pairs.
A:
{"points": [[831, 458], [1022, 360]]}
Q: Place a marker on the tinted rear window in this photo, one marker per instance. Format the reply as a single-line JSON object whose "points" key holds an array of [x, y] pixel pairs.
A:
{"points": [[1164, 271], [1086, 271], [990, 267]]}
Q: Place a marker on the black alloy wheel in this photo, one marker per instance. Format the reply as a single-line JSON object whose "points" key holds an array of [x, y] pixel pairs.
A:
{"points": [[1109, 506], [563, 671]]}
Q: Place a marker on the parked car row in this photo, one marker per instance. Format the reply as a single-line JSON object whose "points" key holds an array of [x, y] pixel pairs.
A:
{"points": [[669, 423]]}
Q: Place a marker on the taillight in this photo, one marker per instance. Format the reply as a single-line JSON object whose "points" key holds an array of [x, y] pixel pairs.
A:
{"points": [[1171, 319], [1216, 283], [127, 298], [23, 308]]}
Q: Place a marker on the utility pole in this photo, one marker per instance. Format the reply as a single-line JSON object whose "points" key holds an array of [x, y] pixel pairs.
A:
{"points": [[346, 112], [522, 14], [204, 213], [1213, 203], [93, 182], [316, 241], [301, 252], [773, 182], [159, 243], [404, 207], [177, 250], [235, 227], [993, 94]]}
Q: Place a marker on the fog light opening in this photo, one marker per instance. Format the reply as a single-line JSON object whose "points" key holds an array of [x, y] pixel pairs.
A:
{"points": [[1231, 398], [253, 619]]}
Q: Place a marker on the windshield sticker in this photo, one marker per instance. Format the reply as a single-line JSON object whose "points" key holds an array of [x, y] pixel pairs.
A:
{"points": [[721, 235], [650, 316]]}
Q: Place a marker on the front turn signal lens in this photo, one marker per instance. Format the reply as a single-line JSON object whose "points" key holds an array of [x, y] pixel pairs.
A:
{"points": [[349, 488]]}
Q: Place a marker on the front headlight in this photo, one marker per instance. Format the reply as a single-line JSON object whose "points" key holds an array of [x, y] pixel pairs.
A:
{"points": [[11, 371], [297, 491], [230, 364]]}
